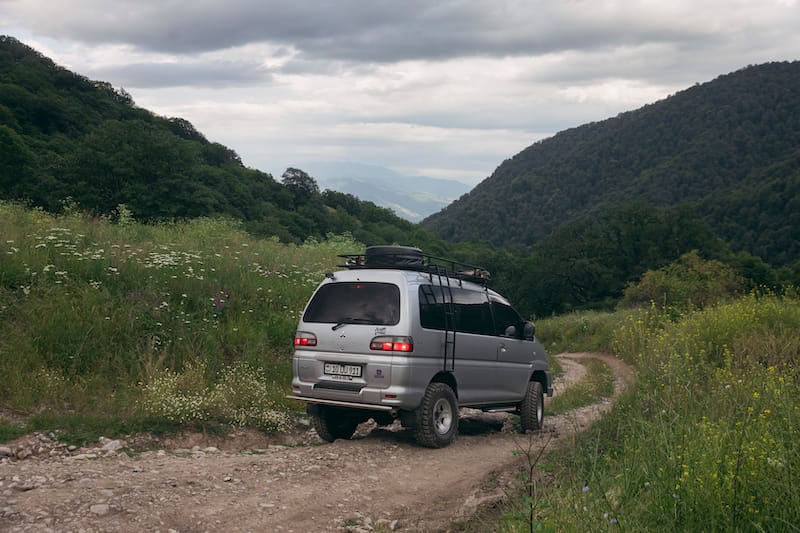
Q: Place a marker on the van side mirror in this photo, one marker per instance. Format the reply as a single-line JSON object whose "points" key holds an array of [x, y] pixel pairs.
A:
{"points": [[529, 330]]}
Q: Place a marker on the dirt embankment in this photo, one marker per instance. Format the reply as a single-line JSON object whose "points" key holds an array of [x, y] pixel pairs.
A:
{"points": [[380, 480]]}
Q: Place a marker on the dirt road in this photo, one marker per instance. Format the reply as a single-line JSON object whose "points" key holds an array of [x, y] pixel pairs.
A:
{"points": [[379, 480]]}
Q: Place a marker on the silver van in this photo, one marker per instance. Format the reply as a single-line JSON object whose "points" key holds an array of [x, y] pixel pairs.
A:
{"points": [[400, 334]]}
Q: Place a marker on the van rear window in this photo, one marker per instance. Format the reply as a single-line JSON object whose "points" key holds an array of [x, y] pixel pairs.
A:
{"points": [[369, 303]]}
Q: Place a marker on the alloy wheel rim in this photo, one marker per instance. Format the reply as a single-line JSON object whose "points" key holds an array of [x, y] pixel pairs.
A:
{"points": [[442, 416]]}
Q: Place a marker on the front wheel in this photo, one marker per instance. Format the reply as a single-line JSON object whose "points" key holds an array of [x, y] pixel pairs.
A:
{"points": [[531, 410], [332, 423], [437, 417]]}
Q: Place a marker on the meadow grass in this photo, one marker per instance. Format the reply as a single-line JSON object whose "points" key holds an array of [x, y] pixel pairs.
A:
{"points": [[10, 430], [579, 331], [706, 440], [125, 320]]}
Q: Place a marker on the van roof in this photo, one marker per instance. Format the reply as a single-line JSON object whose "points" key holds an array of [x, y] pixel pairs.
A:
{"points": [[411, 277]]}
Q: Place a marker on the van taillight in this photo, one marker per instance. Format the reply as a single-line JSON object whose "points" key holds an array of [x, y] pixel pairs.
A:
{"points": [[392, 344], [304, 338]]}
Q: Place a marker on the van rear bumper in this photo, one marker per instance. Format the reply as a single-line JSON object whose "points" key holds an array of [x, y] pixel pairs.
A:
{"points": [[339, 403]]}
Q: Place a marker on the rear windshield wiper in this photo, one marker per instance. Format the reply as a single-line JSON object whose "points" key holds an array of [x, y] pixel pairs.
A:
{"points": [[352, 320]]}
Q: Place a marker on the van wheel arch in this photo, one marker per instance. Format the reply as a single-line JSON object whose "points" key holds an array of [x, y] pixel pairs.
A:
{"points": [[448, 379]]}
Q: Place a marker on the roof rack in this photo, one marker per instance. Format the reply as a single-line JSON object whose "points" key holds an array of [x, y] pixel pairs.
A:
{"points": [[410, 258]]}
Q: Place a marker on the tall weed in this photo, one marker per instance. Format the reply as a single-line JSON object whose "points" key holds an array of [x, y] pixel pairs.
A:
{"points": [[705, 440], [90, 309]]}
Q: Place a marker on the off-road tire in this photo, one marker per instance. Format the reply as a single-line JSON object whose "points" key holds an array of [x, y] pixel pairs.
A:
{"points": [[436, 422], [332, 423], [531, 409]]}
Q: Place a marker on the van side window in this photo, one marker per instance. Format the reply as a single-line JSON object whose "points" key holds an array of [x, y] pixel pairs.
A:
{"points": [[504, 316], [431, 307], [472, 313]]}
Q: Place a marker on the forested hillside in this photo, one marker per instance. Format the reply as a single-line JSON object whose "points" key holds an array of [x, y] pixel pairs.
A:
{"points": [[566, 224], [65, 136], [729, 150]]}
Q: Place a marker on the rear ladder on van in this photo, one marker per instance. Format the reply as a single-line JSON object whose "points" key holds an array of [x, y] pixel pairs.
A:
{"points": [[449, 309], [437, 268]]}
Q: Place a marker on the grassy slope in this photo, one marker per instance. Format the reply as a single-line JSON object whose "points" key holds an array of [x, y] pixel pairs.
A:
{"points": [[95, 317], [705, 441]]}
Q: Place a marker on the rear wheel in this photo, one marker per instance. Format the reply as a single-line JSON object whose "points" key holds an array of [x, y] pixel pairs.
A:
{"points": [[437, 417], [332, 423], [531, 410]]}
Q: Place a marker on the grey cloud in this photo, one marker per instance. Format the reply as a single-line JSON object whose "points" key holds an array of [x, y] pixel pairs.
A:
{"points": [[192, 27], [366, 31], [322, 67], [552, 117], [184, 74]]}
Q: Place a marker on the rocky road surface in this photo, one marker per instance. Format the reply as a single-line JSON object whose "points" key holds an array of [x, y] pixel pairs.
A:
{"points": [[378, 481]]}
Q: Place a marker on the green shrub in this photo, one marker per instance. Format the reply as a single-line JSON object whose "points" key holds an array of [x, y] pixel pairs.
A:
{"points": [[689, 283]]}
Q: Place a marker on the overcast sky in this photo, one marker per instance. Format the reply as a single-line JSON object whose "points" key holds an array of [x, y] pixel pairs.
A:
{"points": [[443, 88]]}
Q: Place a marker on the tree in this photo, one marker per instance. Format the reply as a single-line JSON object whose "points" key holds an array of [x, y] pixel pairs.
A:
{"points": [[299, 182], [183, 128]]}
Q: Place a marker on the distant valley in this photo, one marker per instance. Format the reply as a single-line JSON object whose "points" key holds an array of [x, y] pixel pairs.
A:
{"points": [[410, 197]]}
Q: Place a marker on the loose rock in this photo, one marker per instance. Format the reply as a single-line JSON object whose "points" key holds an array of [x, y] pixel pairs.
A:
{"points": [[100, 509]]}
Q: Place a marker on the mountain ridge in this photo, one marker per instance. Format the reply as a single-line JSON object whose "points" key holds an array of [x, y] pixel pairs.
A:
{"points": [[697, 147]]}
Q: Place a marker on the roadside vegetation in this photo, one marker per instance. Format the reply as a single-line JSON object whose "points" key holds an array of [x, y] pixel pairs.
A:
{"points": [[704, 441], [110, 328], [114, 327]]}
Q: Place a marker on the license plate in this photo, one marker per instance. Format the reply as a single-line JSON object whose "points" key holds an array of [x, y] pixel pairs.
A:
{"points": [[338, 369]]}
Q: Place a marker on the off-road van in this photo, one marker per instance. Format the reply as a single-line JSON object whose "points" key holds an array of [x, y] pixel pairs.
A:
{"points": [[401, 334]]}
